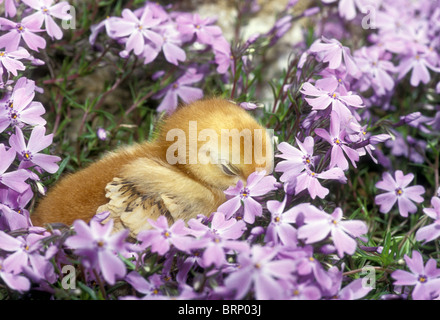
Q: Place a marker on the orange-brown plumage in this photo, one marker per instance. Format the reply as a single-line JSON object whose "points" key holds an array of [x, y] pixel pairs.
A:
{"points": [[138, 182]]}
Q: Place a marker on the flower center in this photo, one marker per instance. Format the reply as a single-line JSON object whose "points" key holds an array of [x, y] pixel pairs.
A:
{"points": [[337, 141], [296, 292], [27, 156], [311, 173], [311, 259], [422, 279], [2, 53], [100, 244], [257, 266], [399, 191], [198, 26], [139, 26], [244, 193], [45, 10], [277, 219], [20, 28], [166, 234]]}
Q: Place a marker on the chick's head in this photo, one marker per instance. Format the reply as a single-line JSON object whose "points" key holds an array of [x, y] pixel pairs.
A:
{"points": [[216, 142]]}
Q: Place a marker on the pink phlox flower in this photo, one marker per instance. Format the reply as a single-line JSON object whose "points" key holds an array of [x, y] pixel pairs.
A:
{"points": [[99, 248], [19, 108], [259, 269], [203, 29], [336, 138], [432, 231], [162, 237], [12, 280], [318, 225], [333, 52], [324, 94], [218, 239], [180, 89], [309, 180], [424, 277], [13, 179], [10, 8], [137, 30], [149, 288], [280, 230], [12, 207], [29, 153], [25, 256], [258, 184], [398, 190], [347, 8], [295, 160], [172, 42], [10, 61], [418, 62], [376, 68], [355, 290], [45, 12], [25, 30]]}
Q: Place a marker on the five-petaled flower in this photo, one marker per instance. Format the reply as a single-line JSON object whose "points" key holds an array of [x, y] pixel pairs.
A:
{"points": [[398, 190]]}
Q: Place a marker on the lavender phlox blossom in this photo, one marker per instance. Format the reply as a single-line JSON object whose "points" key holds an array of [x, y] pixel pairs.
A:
{"points": [[163, 236], [306, 290], [29, 153], [180, 89], [365, 137], [25, 30], [14, 281], [218, 239], [10, 8], [336, 138], [324, 93], [138, 30], [307, 264], [13, 214], [258, 184], [19, 109], [45, 12], [319, 224], [424, 277], [14, 179], [280, 229], [149, 288], [432, 231], [222, 54], [308, 179], [193, 24], [172, 42], [355, 290], [25, 256], [98, 247], [10, 61], [398, 190], [258, 269], [419, 63], [295, 160], [347, 8], [376, 68], [333, 52], [104, 24]]}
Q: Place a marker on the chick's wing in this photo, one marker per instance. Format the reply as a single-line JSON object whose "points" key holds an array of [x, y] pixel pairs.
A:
{"points": [[149, 188]]}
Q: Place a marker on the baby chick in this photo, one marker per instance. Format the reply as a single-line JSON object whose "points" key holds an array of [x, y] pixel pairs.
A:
{"points": [[200, 150]]}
